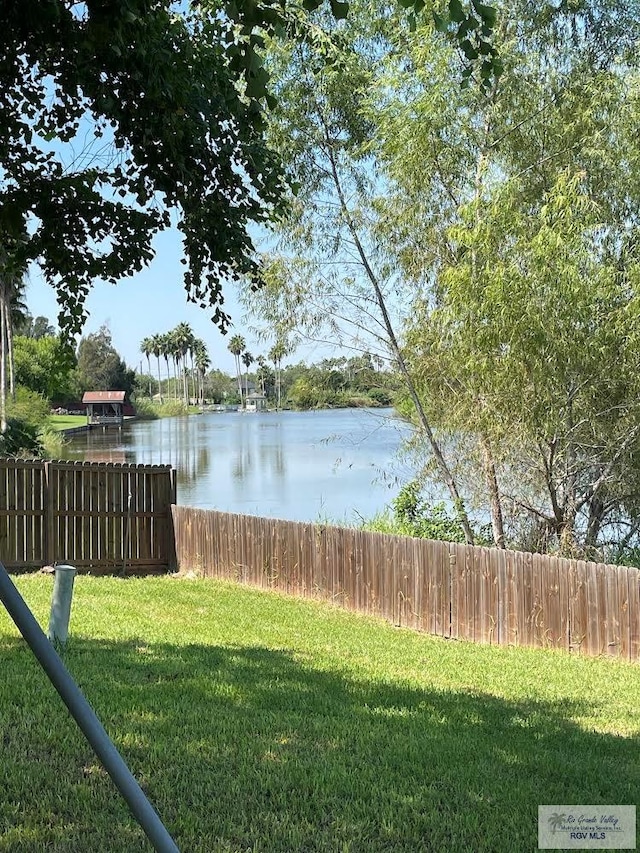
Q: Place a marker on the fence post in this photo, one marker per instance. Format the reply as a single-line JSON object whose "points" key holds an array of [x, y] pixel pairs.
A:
{"points": [[451, 568], [174, 488], [126, 546], [50, 554], [61, 604], [172, 562]]}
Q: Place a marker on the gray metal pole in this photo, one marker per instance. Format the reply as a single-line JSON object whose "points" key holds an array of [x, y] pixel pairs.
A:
{"points": [[61, 603], [84, 716]]}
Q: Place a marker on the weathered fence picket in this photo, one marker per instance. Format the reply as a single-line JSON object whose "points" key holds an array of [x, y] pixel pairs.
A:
{"points": [[97, 516], [479, 594], [109, 517]]}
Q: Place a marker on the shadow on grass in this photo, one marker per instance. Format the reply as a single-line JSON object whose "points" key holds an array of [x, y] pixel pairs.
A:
{"points": [[251, 749]]}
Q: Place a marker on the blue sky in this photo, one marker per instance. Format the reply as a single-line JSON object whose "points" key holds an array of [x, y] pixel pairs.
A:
{"points": [[155, 301], [150, 302]]}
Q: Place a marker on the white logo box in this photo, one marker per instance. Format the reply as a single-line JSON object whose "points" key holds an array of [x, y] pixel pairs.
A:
{"points": [[586, 827]]}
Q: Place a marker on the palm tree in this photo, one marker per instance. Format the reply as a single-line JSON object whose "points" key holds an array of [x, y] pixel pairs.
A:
{"points": [[146, 348], [195, 346], [183, 337], [166, 351], [237, 346], [195, 385], [247, 360], [174, 349], [19, 311], [262, 364], [276, 354], [556, 820], [156, 349], [203, 363]]}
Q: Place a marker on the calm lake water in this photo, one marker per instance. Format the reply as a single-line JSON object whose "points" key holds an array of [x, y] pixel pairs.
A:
{"points": [[305, 466]]}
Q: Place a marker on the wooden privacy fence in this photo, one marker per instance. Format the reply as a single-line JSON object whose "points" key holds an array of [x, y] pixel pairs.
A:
{"points": [[98, 516], [459, 591]]}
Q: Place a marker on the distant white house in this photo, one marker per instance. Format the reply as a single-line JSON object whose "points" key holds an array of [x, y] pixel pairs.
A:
{"points": [[256, 403]]}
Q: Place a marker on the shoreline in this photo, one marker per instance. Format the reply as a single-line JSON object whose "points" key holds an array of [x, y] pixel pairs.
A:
{"points": [[90, 427]]}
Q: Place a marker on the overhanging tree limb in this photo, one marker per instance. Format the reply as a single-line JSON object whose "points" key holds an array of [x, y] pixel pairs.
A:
{"points": [[443, 468]]}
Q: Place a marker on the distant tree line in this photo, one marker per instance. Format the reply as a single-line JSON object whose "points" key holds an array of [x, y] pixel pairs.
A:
{"points": [[360, 380], [182, 371]]}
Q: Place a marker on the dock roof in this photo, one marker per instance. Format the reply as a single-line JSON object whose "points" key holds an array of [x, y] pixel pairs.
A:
{"points": [[104, 396]]}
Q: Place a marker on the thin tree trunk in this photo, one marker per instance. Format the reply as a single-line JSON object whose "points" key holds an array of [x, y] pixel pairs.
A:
{"points": [[239, 378], [7, 316], [185, 382], [194, 380], [491, 478], [3, 360], [594, 523], [159, 382], [443, 468], [568, 544]]}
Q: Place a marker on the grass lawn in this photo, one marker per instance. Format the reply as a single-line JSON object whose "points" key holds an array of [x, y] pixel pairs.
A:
{"points": [[262, 723], [60, 422]]}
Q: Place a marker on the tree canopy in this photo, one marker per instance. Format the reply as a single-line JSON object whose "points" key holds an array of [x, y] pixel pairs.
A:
{"points": [[120, 117], [43, 365], [114, 114], [100, 367], [484, 241]]}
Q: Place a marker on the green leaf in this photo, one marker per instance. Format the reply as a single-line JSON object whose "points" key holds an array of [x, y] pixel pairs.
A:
{"points": [[441, 22], [486, 70], [469, 50], [339, 9], [456, 12], [467, 26], [488, 14]]}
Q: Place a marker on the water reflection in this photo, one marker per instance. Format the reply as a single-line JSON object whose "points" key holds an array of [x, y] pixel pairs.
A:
{"points": [[103, 454], [298, 465], [241, 465]]}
